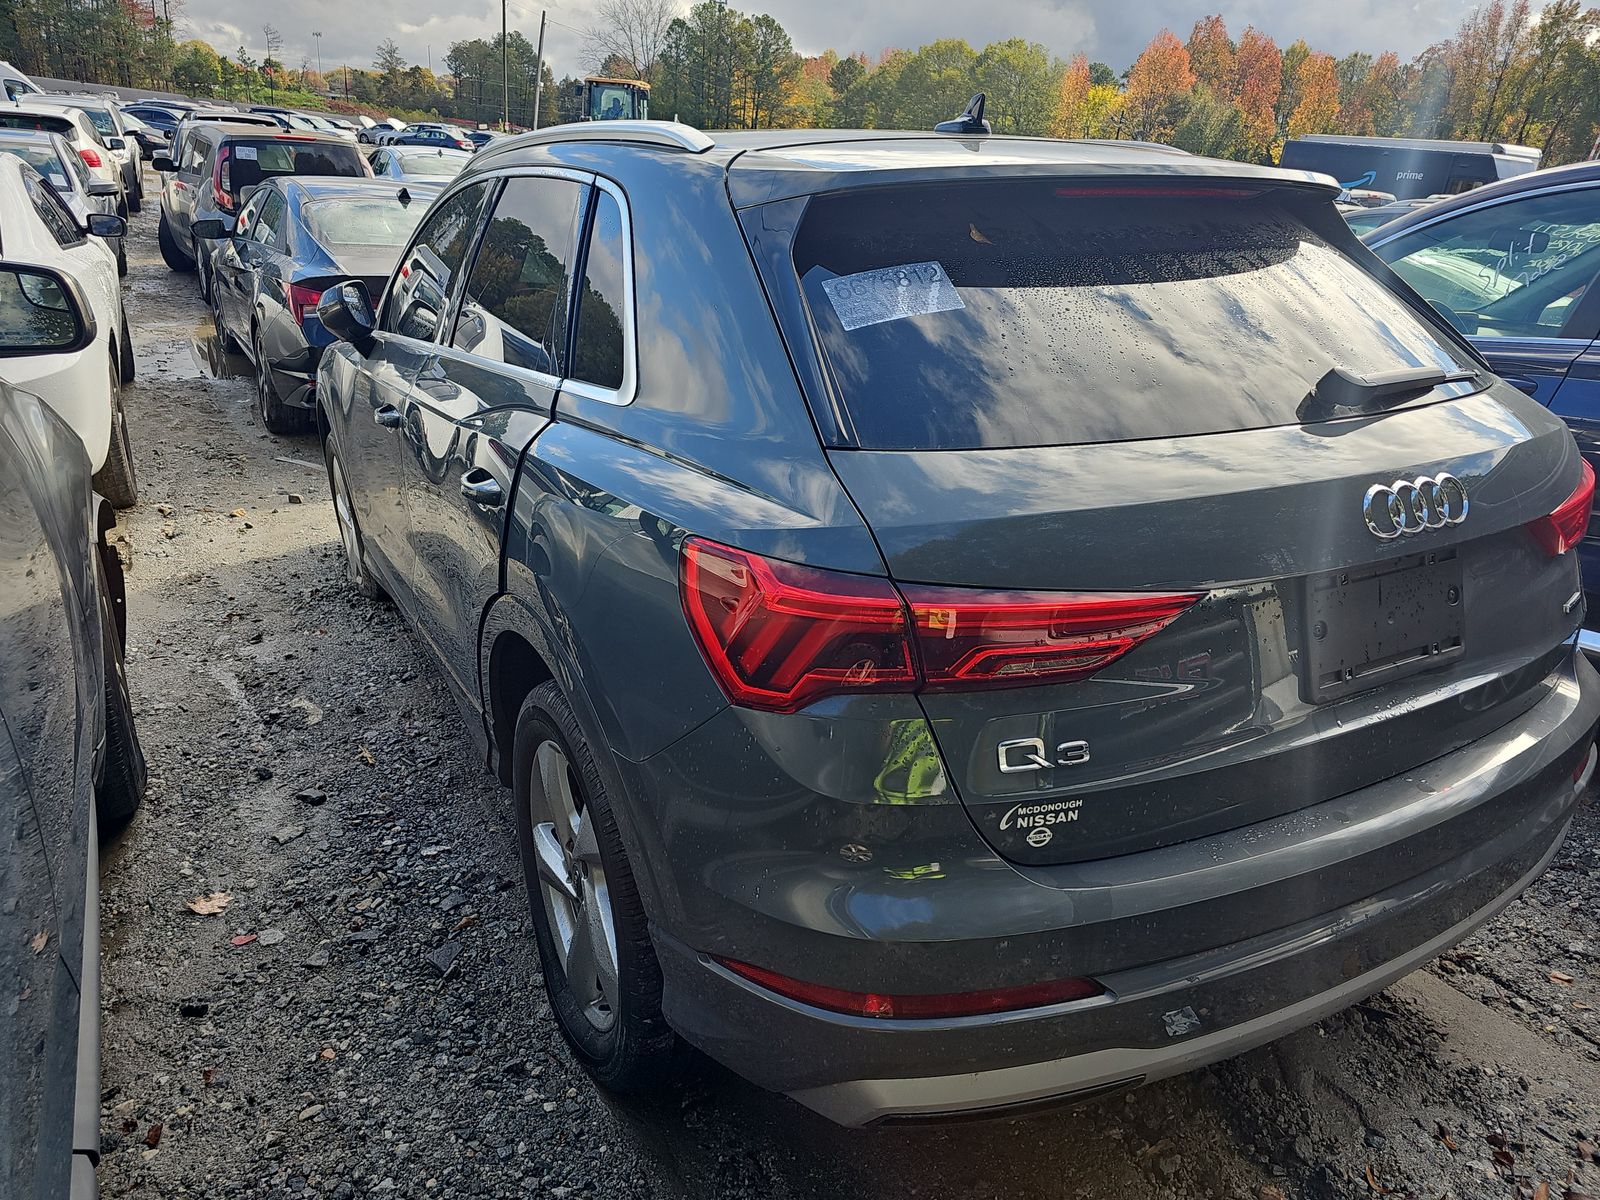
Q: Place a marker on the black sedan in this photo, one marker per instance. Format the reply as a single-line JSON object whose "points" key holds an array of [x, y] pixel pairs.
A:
{"points": [[70, 763], [297, 236]]}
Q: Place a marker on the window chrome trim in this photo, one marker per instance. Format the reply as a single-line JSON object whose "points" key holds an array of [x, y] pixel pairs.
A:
{"points": [[623, 394]]}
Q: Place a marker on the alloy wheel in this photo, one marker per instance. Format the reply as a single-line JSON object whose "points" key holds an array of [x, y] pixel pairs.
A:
{"points": [[572, 884]]}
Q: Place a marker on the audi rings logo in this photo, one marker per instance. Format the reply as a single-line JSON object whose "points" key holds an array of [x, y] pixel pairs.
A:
{"points": [[1412, 505]]}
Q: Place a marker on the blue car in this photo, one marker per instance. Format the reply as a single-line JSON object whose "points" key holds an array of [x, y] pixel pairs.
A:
{"points": [[1513, 266], [295, 237]]}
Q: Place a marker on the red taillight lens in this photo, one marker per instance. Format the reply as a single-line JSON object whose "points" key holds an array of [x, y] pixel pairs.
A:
{"points": [[303, 302], [221, 180], [1010, 639], [780, 636], [1566, 526], [913, 1007], [91, 156]]}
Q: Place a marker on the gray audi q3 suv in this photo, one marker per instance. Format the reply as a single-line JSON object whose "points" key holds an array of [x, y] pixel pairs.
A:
{"points": [[966, 621]]}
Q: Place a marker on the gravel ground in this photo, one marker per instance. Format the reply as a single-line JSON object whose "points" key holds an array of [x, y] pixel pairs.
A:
{"points": [[364, 1015]]}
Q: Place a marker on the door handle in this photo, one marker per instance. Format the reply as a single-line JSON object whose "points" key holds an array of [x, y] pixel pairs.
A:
{"points": [[482, 488], [388, 416]]}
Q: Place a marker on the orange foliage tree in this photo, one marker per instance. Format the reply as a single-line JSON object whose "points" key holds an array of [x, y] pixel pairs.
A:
{"points": [[1070, 117], [1211, 55], [1160, 79], [1258, 71], [1316, 86]]}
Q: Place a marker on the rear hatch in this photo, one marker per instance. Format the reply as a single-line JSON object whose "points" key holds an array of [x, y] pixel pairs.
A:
{"points": [[1246, 528]]}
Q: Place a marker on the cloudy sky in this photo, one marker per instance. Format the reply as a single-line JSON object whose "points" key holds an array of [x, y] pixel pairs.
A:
{"points": [[1109, 30]]}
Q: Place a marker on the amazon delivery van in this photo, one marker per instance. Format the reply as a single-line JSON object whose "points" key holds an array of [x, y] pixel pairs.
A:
{"points": [[1408, 167]]}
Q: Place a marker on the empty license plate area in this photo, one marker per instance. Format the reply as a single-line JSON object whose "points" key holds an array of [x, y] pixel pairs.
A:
{"points": [[1368, 625]]}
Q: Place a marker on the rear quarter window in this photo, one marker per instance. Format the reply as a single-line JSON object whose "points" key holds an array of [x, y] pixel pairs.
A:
{"points": [[1025, 312]]}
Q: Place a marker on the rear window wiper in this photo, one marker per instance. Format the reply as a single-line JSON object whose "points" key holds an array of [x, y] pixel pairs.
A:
{"points": [[1344, 391]]}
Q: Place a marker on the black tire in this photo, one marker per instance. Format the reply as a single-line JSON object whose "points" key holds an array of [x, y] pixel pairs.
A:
{"points": [[171, 253], [121, 773], [136, 197], [126, 366], [116, 480], [275, 414], [122, 257], [637, 1051], [357, 569]]}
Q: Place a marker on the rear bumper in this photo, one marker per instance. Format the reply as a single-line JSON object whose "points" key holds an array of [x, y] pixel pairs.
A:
{"points": [[1323, 907]]}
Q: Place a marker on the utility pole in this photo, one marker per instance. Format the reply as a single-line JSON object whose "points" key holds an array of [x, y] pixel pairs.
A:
{"points": [[505, 73], [317, 33], [538, 70]]}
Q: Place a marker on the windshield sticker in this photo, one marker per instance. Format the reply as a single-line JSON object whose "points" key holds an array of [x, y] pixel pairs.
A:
{"points": [[247, 153], [891, 294]]}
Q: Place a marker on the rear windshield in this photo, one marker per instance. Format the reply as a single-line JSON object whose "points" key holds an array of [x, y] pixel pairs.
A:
{"points": [[27, 120], [101, 119], [350, 222], [248, 161], [43, 159], [1025, 313], [431, 164]]}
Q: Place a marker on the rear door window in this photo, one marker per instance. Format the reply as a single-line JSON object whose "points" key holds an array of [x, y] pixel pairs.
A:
{"points": [[268, 228], [514, 309], [598, 349], [1024, 313]]}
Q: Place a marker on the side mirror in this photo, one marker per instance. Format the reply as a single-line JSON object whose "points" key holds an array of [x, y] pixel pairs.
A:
{"points": [[99, 187], [107, 225], [46, 312], [116, 143], [163, 162], [345, 311], [211, 229]]}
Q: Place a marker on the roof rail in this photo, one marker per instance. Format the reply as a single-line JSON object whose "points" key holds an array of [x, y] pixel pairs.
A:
{"points": [[670, 135]]}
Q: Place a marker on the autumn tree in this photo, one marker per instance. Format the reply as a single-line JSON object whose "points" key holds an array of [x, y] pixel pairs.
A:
{"points": [[1316, 89], [1072, 96], [1211, 55], [1157, 83], [1258, 74]]}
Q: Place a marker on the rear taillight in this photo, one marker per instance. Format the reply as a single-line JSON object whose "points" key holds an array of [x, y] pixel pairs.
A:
{"points": [[303, 302], [778, 636], [1565, 527], [91, 156], [925, 1006], [222, 180], [974, 639]]}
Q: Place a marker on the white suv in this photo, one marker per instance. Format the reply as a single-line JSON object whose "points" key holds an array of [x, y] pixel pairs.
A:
{"points": [[83, 385]]}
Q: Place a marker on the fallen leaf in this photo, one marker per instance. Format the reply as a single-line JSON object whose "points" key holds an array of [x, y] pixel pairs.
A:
{"points": [[238, 512], [972, 232], [1586, 1151], [1581, 1006], [153, 1137], [1542, 1192], [1443, 1135], [1372, 1182], [207, 1074], [1505, 1158], [129, 1125], [1496, 1139], [365, 756], [1560, 977], [469, 919], [38, 940], [1268, 1192], [328, 1052], [244, 939], [210, 906]]}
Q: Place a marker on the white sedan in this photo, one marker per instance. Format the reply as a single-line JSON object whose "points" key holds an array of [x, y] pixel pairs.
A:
{"points": [[82, 382]]}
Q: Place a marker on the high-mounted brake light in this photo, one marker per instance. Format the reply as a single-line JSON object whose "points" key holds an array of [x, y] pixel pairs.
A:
{"points": [[1566, 526], [303, 302], [912, 1007], [1164, 191], [779, 636], [91, 156]]}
